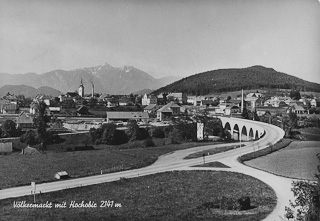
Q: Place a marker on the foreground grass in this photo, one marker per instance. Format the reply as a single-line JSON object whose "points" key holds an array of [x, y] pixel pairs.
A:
{"points": [[16, 169], [179, 195]]}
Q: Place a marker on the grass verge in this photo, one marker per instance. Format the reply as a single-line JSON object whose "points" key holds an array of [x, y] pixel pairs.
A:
{"points": [[272, 148], [178, 195], [212, 164], [211, 151]]}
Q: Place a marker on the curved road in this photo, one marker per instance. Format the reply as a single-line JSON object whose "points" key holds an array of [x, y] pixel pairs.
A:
{"points": [[174, 161]]}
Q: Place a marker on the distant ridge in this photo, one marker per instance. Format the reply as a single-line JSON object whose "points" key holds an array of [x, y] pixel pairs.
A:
{"points": [[224, 80], [28, 91], [106, 79]]}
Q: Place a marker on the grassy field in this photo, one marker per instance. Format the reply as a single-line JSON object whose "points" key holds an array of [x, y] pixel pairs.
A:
{"points": [[16, 169], [310, 133], [298, 160], [178, 195], [211, 151], [212, 164]]}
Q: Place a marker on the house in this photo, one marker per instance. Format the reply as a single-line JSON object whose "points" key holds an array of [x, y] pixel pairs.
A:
{"points": [[82, 110], [69, 96], [272, 110], [315, 102], [178, 97], [112, 102], [254, 94], [25, 121], [125, 116], [232, 109], [40, 97], [298, 109], [8, 108], [11, 98], [34, 106], [151, 109], [125, 101], [167, 111], [207, 103], [149, 99], [54, 110]]}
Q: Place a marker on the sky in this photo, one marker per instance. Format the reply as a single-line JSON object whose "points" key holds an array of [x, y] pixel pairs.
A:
{"points": [[161, 37]]}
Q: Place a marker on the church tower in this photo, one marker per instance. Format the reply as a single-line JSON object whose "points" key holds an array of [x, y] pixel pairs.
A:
{"points": [[81, 89], [92, 92]]}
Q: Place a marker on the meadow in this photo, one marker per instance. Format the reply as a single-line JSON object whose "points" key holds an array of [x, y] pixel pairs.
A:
{"points": [[177, 195], [297, 160]]}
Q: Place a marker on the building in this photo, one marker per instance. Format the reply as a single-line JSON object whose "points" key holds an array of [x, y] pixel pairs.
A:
{"points": [[25, 121], [315, 102], [298, 109], [151, 109], [81, 89], [149, 99], [272, 110], [126, 116], [11, 98], [178, 97], [168, 111], [8, 108]]}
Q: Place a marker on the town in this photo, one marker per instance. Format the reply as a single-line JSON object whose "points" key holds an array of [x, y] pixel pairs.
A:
{"points": [[77, 111]]}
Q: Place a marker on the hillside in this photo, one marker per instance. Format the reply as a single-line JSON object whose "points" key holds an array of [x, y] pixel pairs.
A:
{"points": [[28, 91], [106, 79], [222, 80]]}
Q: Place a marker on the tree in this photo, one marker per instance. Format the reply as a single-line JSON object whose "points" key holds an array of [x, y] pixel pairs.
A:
{"points": [[9, 129], [295, 95], [133, 131], [108, 134], [30, 137], [288, 123], [40, 121], [307, 199], [245, 113]]}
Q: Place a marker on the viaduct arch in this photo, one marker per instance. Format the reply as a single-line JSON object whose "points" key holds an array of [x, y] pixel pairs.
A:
{"points": [[241, 129]]}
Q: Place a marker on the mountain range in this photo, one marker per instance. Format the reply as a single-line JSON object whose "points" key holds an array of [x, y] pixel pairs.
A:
{"points": [[224, 80], [28, 91], [105, 78]]}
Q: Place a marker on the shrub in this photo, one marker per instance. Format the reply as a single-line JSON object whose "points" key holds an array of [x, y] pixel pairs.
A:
{"points": [[143, 134], [174, 137], [281, 144], [30, 137], [148, 142], [157, 132]]}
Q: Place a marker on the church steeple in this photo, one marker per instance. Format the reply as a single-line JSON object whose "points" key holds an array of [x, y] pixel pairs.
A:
{"points": [[81, 89]]}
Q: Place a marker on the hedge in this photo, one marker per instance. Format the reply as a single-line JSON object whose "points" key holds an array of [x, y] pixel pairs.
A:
{"points": [[270, 149]]}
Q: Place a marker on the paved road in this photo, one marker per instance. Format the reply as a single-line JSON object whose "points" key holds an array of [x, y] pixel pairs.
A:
{"points": [[174, 161]]}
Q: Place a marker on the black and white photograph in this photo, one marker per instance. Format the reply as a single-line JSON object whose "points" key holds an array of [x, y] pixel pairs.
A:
{"points": [[160, 110]]}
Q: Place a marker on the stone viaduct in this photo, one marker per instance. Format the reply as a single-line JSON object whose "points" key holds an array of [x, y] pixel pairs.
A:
{"points": [[241, 129]]}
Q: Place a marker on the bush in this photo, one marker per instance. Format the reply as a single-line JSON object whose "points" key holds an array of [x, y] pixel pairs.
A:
{"points": [[143, 134], [30, 137], [148, 142], [108, 134], [157, 132], [174, 137]]}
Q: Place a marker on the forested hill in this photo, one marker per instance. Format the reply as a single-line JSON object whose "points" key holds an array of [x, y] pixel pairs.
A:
{"points": [[222, 80]]}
